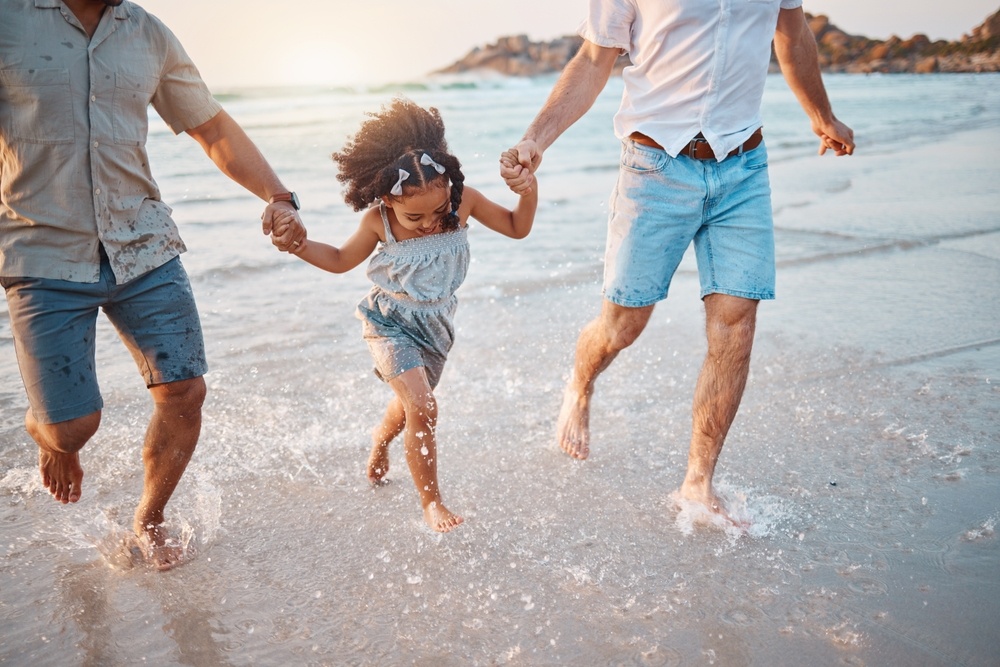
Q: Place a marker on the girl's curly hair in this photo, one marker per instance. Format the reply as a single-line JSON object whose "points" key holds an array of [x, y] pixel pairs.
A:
{"points": [[395, 138]]}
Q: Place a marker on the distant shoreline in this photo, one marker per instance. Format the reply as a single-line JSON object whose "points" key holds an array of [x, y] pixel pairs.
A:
{"points": [[978, 51]]}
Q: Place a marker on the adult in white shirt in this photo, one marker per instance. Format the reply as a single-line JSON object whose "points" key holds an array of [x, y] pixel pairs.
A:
{"points": [[693, 169]]}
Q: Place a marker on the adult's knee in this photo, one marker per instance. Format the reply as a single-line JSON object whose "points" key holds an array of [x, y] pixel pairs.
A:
{"points": [[66, 437], [730, 322], [185, 395], [621, 326]]}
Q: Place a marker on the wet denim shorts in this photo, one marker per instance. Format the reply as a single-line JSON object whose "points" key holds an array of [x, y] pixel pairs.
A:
{"points": [[661, 204], [54, 324]]}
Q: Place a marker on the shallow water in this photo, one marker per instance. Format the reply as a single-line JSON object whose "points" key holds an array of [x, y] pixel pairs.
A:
{"points": [[865, 455]]}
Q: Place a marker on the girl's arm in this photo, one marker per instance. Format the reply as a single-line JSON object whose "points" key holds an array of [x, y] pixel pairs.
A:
{"points": [[515, 224], [354, 250]]}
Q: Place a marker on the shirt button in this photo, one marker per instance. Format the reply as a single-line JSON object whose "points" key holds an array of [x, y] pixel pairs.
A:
{"points": [[93, 98], [96, 144], [97, 191]]}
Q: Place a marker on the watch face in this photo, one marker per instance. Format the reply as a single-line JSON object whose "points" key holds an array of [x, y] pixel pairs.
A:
{"points": [[295, 200]]}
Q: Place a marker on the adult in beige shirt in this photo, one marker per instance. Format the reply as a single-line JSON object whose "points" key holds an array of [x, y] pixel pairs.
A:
{"points": [[82, 228]]}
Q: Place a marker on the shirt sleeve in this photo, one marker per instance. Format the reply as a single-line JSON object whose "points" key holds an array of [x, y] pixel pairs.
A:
{"points": [[609, 24], [790, 4], [182, 99]]}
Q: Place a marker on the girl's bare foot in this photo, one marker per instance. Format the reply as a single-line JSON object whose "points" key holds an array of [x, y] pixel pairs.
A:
{"points": [[378, 464], [439, 518]]}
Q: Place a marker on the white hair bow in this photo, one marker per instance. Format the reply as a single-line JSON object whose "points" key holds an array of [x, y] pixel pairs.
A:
{"points": [[428, 161], [397, 189]]}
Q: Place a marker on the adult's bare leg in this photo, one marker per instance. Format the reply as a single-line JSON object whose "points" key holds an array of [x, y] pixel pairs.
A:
{"points": [[599, 343], [58, 457], [729, 325], [171, 439]]}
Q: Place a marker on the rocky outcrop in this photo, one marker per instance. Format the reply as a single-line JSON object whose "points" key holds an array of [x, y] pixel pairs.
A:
{"points": [[979, 51], [519, 56]]}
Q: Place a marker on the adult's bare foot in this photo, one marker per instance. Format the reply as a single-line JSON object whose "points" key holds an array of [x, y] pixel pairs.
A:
{"points": [[440, 518], [573, 425], [154, 547], [61, 475], [707, 501], [378, 464], [60, 471]]}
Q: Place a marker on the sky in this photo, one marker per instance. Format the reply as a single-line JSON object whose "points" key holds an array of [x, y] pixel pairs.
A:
{"points": [[355, 42]]}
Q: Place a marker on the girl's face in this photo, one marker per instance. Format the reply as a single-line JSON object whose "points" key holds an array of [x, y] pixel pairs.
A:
{"points": [[423, 211]]}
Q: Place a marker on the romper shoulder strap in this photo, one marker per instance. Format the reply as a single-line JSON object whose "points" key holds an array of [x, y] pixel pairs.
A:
{"points": [[385, 221]]}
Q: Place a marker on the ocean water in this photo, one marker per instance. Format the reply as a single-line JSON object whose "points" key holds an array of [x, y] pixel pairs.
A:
{"points": [[865, 456]]}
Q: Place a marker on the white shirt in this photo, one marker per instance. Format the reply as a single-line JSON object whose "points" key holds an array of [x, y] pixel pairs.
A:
{"points": [[696, 66]]}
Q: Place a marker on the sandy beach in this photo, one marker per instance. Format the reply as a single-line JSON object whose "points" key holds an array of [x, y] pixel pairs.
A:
{"points": [[866, 458]]}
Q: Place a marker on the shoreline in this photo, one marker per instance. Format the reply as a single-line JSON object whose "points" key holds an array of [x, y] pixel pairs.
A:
{"points": [[866, 452]]}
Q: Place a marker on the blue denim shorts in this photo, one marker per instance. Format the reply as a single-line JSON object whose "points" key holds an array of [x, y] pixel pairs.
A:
{"points": [[54, 323], [661, 204]]}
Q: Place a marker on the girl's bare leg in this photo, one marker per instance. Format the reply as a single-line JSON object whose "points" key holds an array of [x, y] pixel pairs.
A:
{"points": [[392, 424], [420, 408]]}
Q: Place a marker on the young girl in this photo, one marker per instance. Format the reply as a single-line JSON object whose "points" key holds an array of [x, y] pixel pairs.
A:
{"points": [[398, 168]]}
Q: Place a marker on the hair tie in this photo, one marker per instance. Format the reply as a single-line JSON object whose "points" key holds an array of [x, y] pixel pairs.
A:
{"points": [[397, 189], [428, 161]]}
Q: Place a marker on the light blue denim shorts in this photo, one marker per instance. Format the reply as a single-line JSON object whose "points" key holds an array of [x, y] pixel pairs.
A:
{"points": [[661, 204], [54, 323]]}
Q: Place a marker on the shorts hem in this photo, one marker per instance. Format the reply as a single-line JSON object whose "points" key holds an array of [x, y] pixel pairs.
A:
{"points": [[634, 303], [167, 378], [756, 296], [396, 371], [68, 413]]}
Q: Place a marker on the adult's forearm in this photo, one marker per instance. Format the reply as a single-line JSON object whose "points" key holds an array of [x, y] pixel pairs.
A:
{"points": [[581, 82], [795, 48], [235, 154]]}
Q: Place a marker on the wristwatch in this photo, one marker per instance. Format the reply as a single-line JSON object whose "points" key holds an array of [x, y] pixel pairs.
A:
{"points": [[289, 197]]}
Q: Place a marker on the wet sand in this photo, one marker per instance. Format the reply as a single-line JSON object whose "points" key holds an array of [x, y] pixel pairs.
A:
{"points": [[866, 456]]}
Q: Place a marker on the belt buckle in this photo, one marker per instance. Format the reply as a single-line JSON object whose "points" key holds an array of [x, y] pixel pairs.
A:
{"points": [[693, 147]]}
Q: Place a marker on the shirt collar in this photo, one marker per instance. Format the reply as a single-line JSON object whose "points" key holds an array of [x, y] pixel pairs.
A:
{"points": [[120, 12]]}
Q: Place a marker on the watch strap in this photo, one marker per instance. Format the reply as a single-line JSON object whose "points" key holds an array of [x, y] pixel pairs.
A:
{"points": [[290, 197]]}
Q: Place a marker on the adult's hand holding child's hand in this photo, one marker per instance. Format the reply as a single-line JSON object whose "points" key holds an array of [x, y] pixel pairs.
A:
{"points": [[517, 166]]}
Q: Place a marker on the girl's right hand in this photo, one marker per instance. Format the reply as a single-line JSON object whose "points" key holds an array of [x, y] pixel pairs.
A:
{"points": [[518, 176]]}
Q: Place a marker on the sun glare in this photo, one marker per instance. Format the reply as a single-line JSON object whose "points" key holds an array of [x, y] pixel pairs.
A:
{"points": [[322, 63]]}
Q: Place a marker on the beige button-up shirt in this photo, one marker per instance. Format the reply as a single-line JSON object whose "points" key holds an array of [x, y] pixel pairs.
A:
{"points": [[74, 174]]}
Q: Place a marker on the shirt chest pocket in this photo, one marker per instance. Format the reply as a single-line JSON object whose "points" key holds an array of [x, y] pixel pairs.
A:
{"points": [[37, 105], [130, 119]]}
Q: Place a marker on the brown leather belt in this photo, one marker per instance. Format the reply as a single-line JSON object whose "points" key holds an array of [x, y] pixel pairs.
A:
{"points": [[698, 147]]}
